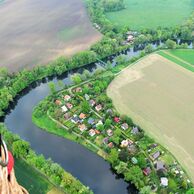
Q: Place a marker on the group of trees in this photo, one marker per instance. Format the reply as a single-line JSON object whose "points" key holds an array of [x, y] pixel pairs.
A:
{"points": [[53, 171], [113, 5]]}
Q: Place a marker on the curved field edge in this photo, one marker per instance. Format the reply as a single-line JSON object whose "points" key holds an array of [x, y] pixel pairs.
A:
{"points": [[143, 121], [55, 127]]}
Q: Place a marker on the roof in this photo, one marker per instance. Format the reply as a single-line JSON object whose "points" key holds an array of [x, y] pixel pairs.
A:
{"points": [[67, 97], [82, 127], [75, 119], [82, 116], [69, 105], [92, 102], [124, 143], [58, 102], [87, 97], [111, 145], [135, 130], [147, 171], [155, 155], [91, 121], [109, 132], [164, 181], [116, 119], [124, 126], [64, 108], [92, 132], [160, 165], [105, 140], [98, 107], [134, 160]]}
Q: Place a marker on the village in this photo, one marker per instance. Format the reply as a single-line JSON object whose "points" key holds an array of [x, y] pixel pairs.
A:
{"points": [[86, 111]]}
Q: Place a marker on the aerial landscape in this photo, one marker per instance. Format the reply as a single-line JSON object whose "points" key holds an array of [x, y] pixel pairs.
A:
{"points": [[97, 97]]}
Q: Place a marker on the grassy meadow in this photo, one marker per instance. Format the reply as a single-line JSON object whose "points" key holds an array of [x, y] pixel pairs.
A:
{"points": [[158, 95], [152, 13]]}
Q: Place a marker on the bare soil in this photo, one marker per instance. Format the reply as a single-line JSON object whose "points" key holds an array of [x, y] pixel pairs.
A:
{"points": [[35, 32]]}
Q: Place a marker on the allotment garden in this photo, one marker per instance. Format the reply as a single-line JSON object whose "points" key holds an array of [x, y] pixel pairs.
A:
{"points": [[85, 114]]}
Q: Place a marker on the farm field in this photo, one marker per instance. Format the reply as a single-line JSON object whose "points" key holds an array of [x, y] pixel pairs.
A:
{"points": [[31, 179], [152, 13], [36, 32], [158, 95]]}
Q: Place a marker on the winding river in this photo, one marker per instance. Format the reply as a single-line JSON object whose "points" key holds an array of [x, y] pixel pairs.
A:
{"points": [[88, 167]]}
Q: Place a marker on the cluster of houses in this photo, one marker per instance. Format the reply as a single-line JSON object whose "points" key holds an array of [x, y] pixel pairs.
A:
{"points": [[88, 123]]}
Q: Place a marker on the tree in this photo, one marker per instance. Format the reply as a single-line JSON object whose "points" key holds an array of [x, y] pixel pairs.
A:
{"points": [[20, 148], [85, 106], [170, 44], [108, 123], [113, 156], [145, 190], [135, 175], [148, 48], [172, 185], [124, 155], [121, 167], [52, 87], [76, 78], [190, 191], [142, 161]]}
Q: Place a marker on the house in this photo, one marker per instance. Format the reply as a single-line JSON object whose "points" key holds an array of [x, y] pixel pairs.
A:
{"points": [[69, 105], [87, 97], [135, 130], [91, 121], [64, 108], [92, 132], [109, 132], [97, 131], [155, 155], [124, 143], [67, 97], [109, 111], [125, 126], [92, 102], [130, 38], [82, 116], [58, 102], [134, 160], [117, 119], [98, 107], [79, 89], [105, 140], [67, 115], [147, 171], [82, 127], [75, 119], [164, 181], [111, 145], [160, 166]]}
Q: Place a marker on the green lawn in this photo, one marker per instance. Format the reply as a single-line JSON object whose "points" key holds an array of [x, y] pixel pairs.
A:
{"points": [[30, 179], [141, 14], [186, 55]]}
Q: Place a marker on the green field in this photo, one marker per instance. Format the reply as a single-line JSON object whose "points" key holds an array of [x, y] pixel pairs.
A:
{"points": [[186, 55], [182, 57], [30, 179], [152, 13]]}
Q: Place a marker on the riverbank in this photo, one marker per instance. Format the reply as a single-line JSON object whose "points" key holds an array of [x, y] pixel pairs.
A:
{"points": [[116, 135]]}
